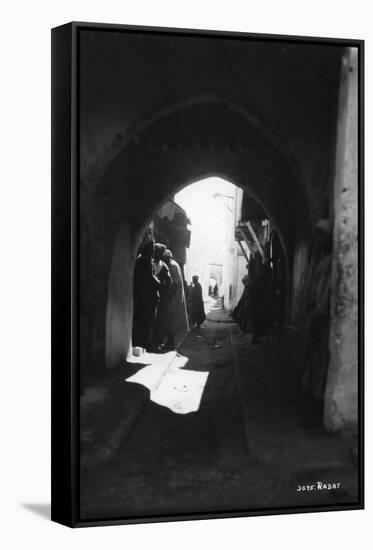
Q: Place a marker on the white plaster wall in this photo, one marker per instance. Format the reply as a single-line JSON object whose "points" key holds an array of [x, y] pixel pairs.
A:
{"points": [[341, 403], [120, 303], [230, 268]]}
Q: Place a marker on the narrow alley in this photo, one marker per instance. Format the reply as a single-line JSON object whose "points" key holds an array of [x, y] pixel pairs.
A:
{"points": [[242, 449], [215, 328]]}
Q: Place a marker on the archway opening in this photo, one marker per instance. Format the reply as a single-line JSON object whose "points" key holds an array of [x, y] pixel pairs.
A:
{"points": [[268, 124], [208, 255], [188, 144]]}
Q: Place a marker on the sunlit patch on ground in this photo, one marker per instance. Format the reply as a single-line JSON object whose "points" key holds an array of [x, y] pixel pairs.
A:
{"points": [[179, 390]]}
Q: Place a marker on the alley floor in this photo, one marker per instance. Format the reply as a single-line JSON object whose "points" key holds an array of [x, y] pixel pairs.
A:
{"points": [[242, 449]]}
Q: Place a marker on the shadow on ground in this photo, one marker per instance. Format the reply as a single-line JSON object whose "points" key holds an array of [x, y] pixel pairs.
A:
{"points": [[42, 510]]}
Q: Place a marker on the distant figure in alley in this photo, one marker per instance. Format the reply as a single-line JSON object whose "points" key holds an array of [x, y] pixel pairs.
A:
{"points": [[196, 306]]}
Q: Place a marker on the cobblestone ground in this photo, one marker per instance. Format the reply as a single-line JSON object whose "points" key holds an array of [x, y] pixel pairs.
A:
{"points": [[241, 450]]}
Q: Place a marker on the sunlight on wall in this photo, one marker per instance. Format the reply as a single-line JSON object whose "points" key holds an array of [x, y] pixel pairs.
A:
{"points": [[209, 218]]}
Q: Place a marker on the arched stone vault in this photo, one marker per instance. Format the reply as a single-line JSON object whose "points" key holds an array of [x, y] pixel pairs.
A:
{"points": [[131, 80], [186, 145], [148, 119], [204, 138]]}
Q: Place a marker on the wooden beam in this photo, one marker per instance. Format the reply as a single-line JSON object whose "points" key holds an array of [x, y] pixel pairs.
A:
{"points": [[255, 238], [244, 252], [248, 244]]}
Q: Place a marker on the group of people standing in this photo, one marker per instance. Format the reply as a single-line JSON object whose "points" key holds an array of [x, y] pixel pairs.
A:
{"points": [[252, 310], [253, 314], [160, 320], [160, 315]]}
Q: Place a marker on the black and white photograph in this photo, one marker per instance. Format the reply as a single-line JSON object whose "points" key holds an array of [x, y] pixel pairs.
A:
{"points": [[218, 194], [186, 258]]}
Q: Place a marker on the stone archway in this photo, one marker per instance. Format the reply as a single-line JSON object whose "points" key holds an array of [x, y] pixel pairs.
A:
{"points": [[287, 126], [169, 155]]}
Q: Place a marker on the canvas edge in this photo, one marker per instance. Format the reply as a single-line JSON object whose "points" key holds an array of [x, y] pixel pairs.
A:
{"points": [[65, 174]]}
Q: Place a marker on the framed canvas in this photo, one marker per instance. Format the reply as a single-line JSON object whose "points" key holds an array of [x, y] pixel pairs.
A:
{"points": [[207, 277]]}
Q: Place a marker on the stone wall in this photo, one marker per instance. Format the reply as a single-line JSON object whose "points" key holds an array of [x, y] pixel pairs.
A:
{"points": [[341, 409], [158, 114]]}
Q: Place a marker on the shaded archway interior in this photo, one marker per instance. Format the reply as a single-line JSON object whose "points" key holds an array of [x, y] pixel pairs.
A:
{"points": [[198, 141], [158, 114]]}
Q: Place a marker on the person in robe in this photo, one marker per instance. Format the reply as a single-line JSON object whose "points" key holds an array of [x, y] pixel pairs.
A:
{"points": [[162, 319], [241, 313], [178, 318], [317, 349], [145, 294], [259, 289], [197, 308]]}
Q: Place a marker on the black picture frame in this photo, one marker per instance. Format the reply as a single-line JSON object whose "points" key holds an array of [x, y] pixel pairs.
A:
{"points": [[66, 271]]}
